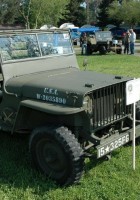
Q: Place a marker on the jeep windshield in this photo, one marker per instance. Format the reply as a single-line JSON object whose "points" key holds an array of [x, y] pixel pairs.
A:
{"points": [[35, 44], [103, 35]]}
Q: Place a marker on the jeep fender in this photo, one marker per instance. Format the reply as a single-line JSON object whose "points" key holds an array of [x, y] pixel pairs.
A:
{"points": [[56, 109], [40, 109]]}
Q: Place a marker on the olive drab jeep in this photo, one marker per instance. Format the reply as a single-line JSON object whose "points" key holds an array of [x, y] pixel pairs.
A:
{"points": [[103, 42], [65, 111]]}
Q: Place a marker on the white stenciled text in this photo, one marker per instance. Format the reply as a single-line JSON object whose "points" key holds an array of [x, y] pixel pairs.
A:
{"points": [[50, 91], [50, 98]]}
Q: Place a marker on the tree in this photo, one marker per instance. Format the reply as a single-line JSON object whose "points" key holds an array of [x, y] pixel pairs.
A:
{"points": [[103, 16], [93, 11], [35, 13], [8, 11], [75, 13], [128, 11]]}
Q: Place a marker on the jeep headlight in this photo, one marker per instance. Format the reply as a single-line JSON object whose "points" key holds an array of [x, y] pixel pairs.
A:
{"points": [[87, 104]]}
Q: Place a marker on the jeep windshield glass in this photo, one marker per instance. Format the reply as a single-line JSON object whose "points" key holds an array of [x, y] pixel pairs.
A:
{"points": [[103, 35], [22, 46]]}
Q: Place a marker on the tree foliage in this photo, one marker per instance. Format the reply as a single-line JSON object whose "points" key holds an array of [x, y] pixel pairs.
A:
{"points": [[8, 11], [103, 16], [36, 13], [93, 11], [128, 11], [75, 13]]}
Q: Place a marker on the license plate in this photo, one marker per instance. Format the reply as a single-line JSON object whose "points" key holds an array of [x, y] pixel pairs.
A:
{"points": [[112, 145]]}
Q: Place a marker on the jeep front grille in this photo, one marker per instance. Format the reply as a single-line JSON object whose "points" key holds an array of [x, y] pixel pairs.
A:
{"points": [[109, 105]]}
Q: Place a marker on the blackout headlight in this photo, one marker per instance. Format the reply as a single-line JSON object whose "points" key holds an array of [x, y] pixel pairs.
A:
{"points": [[88, 104]]}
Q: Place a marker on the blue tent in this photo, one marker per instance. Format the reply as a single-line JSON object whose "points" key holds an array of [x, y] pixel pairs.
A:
{"points": [[77, 32], [89, 29]]}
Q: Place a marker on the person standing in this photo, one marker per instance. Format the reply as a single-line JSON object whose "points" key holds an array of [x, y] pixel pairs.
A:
{"points": [[126, 42], [132, 41], [84, 44]]}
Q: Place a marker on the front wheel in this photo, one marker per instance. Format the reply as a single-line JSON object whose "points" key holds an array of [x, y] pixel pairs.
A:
{"points": [[119, 51], [56, 153], [102, 50]]}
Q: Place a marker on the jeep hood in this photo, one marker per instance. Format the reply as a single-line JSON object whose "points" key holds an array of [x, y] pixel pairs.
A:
{"points": [[67, 86]]}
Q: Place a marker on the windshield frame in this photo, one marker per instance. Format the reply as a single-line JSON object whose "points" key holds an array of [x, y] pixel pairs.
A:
{"points": [[18, 37]]}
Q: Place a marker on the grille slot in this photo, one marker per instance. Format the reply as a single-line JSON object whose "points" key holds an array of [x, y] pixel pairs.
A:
{"points": [[109, 105]]}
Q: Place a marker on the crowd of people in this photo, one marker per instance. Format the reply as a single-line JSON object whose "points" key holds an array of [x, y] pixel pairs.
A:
{"points": [[129, 42]]}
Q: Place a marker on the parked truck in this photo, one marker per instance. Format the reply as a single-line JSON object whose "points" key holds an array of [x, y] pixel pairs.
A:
{"points": [[66, 111]]}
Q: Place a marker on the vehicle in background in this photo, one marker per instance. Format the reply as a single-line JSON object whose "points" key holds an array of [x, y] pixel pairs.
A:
{"points": [[47, 26], [118, 33], [75, 35], [137, 31], [109, 26], [103, 42], [68, 25], [88, 30]]}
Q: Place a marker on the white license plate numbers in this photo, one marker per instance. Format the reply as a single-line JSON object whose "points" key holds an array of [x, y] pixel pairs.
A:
{"points": [[107, 148]]}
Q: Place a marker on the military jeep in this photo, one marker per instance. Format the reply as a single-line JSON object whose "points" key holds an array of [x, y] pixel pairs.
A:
{"points": [[66, 112], [103, 42]]}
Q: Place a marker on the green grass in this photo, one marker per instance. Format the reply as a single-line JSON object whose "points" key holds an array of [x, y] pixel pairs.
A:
{"points": [[127, 65], [138, 41], [102, 180]]}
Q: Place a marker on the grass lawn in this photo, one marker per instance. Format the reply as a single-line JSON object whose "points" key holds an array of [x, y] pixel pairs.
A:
{"points": [[102, 180], [138, 41], [127, 65]]}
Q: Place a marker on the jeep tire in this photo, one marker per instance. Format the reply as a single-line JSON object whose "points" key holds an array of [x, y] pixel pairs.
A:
{"points": [[56, 153], [119, 51], [102, 50]]}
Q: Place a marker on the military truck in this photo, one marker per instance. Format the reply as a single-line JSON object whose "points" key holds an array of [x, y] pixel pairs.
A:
{"points": [[65, 111], [103, 42]]}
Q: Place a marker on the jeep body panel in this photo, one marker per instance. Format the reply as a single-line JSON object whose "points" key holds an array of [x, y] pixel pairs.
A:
{"points": [[23, 67], [59, 86], [57, 96], [50, 108]]}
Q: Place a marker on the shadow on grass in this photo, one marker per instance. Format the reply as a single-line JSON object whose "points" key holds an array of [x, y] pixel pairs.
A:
{"points": [[95, 54], [94, 161], [17, 172], [15, 166]]}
